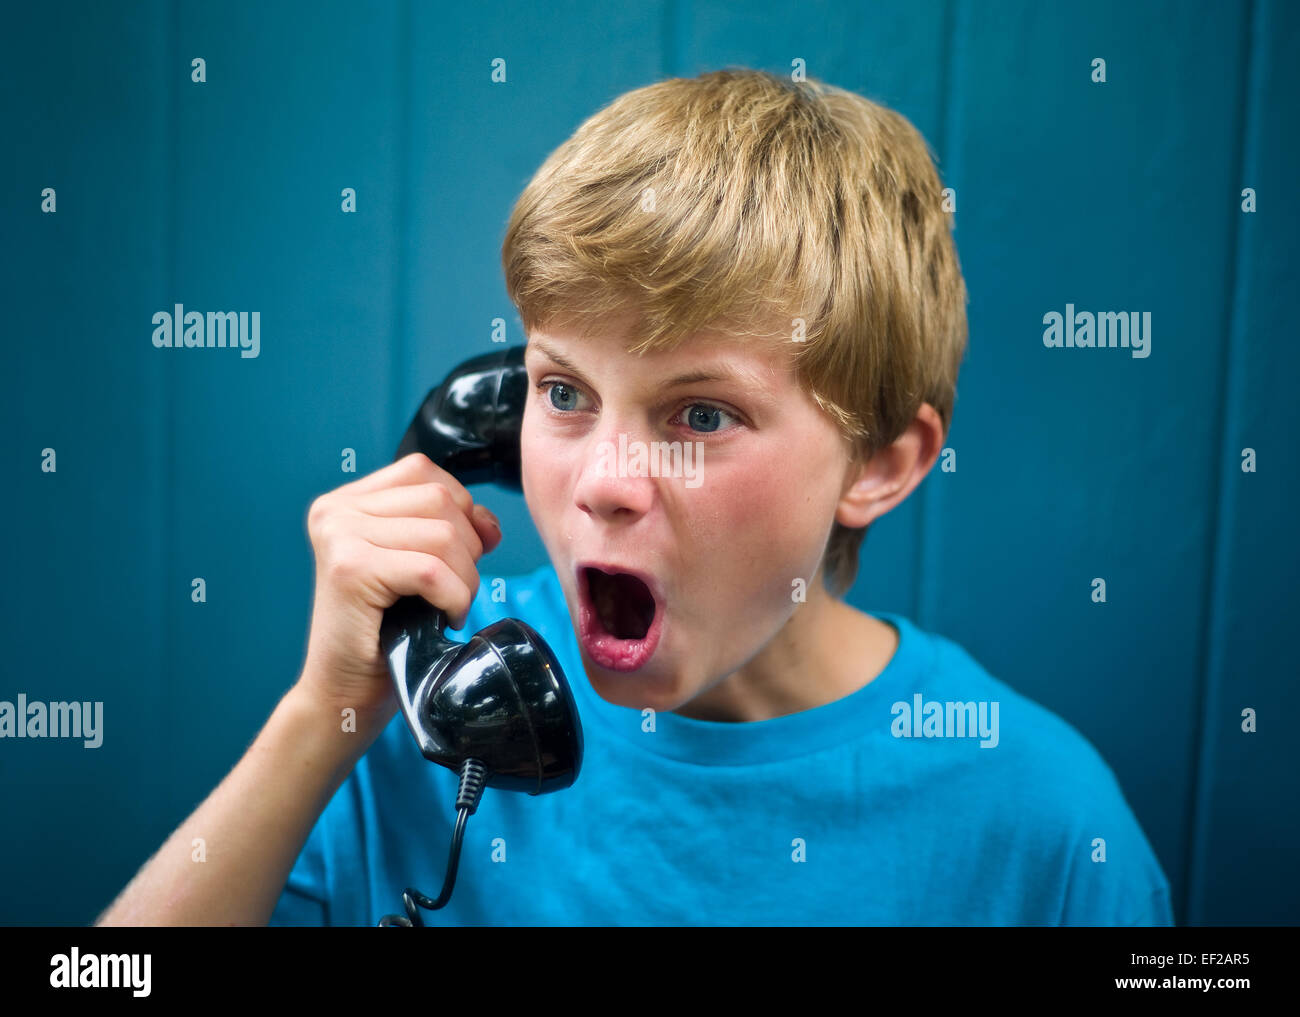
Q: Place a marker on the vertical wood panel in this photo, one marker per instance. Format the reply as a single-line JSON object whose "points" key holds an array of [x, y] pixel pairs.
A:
{"points": [[84, 113], [299, 103], [1245, 839], [1087, 463], [940, 490]]}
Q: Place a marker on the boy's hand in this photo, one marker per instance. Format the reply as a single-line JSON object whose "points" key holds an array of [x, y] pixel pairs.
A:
{"points": [[408, 529]]}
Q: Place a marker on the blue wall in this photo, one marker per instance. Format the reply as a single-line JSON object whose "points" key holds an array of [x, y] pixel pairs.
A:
{"points": [[1072, 464]]}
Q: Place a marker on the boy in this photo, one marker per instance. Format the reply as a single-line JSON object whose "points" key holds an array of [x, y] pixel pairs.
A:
{"points": [[756, 279]]}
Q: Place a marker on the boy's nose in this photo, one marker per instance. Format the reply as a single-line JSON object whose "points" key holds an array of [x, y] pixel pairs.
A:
{"points": [[614, 484]]}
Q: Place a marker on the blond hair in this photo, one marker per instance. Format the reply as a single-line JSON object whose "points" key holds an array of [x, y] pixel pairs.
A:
{"points": [[738, 198]]}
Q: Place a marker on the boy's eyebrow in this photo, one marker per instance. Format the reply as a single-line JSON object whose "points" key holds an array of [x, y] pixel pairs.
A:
{"points": [[689, 378]]}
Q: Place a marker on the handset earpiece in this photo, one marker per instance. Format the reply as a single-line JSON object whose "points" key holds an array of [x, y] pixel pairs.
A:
{"points": [[496, 709], [469, 425]]}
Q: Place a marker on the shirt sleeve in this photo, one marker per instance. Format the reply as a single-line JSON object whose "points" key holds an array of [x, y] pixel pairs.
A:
{"points": [[1115, 878]]}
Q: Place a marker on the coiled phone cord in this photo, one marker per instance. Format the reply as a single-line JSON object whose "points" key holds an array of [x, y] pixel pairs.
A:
{"points": [[473, 777]]}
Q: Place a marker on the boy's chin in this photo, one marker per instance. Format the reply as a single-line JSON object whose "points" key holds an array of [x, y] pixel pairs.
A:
{"points": [[636, 691]]}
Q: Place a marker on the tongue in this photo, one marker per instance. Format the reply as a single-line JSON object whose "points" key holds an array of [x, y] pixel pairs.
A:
{"points": [[623, 604]]}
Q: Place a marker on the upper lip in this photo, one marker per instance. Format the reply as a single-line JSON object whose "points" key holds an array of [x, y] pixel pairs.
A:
{"points": [[651, 583]]}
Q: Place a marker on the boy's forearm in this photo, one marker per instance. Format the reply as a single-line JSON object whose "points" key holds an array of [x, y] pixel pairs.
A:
{"points": [[252, 827]]}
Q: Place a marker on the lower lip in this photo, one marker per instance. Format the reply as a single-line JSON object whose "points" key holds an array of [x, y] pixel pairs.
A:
{"points": [[608, 651]]}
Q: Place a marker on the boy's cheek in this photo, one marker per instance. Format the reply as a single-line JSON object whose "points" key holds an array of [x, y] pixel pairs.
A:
{"points": [[545, 483], [769, 543], [533, 462]]}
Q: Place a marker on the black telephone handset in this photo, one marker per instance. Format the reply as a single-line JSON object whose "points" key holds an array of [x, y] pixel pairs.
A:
{"points": [[497, 709]]}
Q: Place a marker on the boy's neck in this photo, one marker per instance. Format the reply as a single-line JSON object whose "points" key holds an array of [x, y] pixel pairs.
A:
{"points": [[826, 651]]}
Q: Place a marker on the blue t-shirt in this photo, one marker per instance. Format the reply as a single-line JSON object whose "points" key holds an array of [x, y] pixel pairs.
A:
{"points": [[885, 807]]}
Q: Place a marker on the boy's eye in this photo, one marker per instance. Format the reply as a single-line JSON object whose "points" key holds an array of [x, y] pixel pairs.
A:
{"points": [[705, 418], [563, 397]]}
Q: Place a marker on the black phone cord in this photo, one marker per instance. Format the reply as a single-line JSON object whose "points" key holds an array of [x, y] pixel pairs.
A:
{"points": [[473, 778]]}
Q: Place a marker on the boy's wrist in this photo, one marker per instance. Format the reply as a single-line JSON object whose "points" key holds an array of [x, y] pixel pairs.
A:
{"points": [[337, 734]]}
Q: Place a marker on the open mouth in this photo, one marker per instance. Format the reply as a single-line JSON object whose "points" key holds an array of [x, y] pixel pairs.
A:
{"points": [[624, 605], [621, 618]]}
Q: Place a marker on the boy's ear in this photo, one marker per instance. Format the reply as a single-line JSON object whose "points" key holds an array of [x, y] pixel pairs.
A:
{"points": [[874, 487]]}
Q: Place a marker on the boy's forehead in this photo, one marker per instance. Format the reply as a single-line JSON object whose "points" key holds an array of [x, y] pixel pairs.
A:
{"points": [[711, 354]]}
